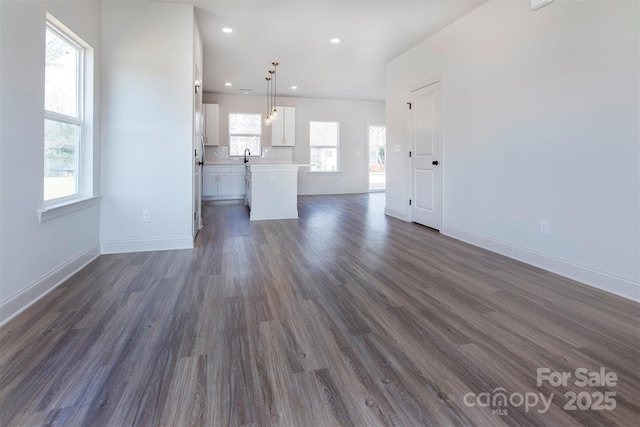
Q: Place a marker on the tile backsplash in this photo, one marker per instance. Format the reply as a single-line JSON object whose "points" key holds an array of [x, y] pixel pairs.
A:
{"points": [[220, 154]]}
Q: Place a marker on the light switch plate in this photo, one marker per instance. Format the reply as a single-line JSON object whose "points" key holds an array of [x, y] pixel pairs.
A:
{"points": [[396, 148], [537, 4]]}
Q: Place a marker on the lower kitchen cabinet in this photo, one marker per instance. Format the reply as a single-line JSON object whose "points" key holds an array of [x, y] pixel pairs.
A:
{"points": [[237, 183], [223, 181]]}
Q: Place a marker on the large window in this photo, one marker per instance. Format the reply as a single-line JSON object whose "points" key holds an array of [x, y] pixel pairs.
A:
{"points": [[63, 105], [323, 141], [245, 131]]}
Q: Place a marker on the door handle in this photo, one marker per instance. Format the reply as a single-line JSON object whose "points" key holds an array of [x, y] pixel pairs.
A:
{"points": [[435, 163]]}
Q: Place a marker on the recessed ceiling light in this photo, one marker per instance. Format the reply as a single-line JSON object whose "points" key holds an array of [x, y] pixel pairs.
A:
{"points": [[335, 40], [294, 87], [227, 30], [227, 84]]}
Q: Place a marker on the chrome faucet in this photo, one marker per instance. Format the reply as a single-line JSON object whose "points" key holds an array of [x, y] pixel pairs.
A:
{"points": [[246, 151]]}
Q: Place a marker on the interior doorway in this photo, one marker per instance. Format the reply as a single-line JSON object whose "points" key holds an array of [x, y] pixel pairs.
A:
{"points": [[376, 159]]}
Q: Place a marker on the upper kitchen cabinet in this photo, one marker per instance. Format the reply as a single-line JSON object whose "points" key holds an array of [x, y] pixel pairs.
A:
{"points": [[211, 124], [283, 128]]}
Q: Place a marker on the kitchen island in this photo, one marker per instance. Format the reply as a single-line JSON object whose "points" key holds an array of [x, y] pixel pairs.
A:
{"points": [[272, 191]]}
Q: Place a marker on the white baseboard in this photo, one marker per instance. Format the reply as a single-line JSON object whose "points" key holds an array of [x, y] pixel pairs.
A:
{"points": [[267, 214], [20, 301], [233, 197], [145, 245], [331, 192], [589, 276], [396, 214]]}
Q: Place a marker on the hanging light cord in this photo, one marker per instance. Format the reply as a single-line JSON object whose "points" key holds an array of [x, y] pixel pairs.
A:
{"points": [[271, 95], [267, 117], [275, 86]]}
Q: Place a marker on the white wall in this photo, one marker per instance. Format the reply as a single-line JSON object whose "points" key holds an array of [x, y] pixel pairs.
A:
{"points": [[353, 117], [541, 120], [36, 257], [148, 88]]}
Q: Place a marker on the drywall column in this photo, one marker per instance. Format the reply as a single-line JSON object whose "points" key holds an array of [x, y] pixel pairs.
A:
{"points": [[148, 59]]}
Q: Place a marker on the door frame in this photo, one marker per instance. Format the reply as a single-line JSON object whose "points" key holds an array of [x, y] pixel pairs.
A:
{"points": [[198, 149], [411, 143], [366, 157]]}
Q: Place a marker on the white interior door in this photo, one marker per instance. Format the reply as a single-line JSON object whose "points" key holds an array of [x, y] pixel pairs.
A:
{"points": [[426, 156], [198, 155]]}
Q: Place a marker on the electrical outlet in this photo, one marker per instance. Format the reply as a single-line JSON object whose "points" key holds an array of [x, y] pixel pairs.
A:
{"points": [[544, 226], [146, 216], [272, 178]]}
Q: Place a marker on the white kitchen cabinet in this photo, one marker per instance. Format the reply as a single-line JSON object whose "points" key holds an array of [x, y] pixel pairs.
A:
{"points": [[237, 180], [211, 124], [223, 181], [283, 128], [215, 181], [223, 184], [209, 184], [247, 196]]}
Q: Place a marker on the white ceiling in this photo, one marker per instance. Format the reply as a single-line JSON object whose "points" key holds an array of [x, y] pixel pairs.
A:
{"points": [[297, 35]]}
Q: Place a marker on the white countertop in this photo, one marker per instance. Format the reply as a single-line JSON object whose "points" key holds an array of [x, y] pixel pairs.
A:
{"points": [[250, 163], [272, 166], [224, 163]]}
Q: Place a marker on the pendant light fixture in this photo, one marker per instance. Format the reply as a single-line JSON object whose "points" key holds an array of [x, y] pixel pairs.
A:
{"points": [[272, 88], [275, 89], [267, 117]]}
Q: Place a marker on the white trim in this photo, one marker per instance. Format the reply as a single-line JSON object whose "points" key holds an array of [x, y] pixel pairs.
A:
{"points": [[424, 83], [58, 210], [598, 279], [537, 4], [228, 197], [272, 214], [28, 296], [332, 193], [145, 245], [396, 214], [58, 117]]}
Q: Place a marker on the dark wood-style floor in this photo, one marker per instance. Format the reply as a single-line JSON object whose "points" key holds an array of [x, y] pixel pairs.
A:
{"points": [[343, 317]]}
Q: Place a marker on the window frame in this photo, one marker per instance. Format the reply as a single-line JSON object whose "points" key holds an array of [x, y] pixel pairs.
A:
{"points": [[67, 36], [84, 195], [336, 147], [259, 135]]}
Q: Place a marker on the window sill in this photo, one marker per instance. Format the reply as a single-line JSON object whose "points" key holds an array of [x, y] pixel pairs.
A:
{"points": [[54, 211]]}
